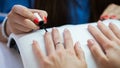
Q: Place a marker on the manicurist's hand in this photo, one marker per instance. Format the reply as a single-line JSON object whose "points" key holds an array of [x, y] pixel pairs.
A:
{"points": [[59, 55], [106, 48], [111, 12], [20, 19]]}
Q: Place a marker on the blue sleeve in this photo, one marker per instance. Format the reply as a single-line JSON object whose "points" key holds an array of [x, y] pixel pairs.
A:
{"points": [[6, 5], [79, 11], [1, 19]]}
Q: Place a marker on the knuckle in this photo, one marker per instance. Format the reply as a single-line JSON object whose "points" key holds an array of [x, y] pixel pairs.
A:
{"points": [[46, 62], [28, 30], [53, 56], [71, 52], [102, 59], [26, 21], [60, 53], [108, 44]]}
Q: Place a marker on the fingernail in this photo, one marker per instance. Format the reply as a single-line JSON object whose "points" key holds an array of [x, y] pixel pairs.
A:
{"points": [[65, 30], [36, 21], [111, 24], [90, 42], [104, 17], [54, 28], [78, 44], [34, 41], [45, 20], [99, 21], [113, 17]]}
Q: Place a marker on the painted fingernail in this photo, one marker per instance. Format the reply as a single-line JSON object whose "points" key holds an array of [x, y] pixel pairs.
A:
{"points": [[36, 21], [113, 17], [104, 17], [45, 20]]}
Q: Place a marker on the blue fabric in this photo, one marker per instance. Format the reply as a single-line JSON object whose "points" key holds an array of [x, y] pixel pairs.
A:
{"points": [[6, 5], [1, 19], [79, 11]]}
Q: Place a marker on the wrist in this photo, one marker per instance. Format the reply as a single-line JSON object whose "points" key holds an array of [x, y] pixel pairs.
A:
{"points": [[2, 39], [4, 32]]}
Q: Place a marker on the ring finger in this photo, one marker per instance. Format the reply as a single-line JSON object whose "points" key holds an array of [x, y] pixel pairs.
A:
{"points": [[57, 39]]}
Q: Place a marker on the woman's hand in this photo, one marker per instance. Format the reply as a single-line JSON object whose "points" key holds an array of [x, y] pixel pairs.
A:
{"points": [[111, 12], [59, 55], [106, 50], [20, 19]]}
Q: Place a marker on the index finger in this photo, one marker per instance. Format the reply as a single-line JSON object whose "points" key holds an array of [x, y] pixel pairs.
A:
{"points": [[23, 11]]}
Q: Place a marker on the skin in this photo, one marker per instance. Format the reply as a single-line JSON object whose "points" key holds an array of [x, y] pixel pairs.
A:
{"points": [[20, 20], [112, 11], [59, 55], [106, 48], [106, 53]]}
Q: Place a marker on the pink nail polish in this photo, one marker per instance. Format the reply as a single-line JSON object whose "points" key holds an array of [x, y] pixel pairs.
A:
{"points": [[45, 20], [104, 17], [113, 17]]}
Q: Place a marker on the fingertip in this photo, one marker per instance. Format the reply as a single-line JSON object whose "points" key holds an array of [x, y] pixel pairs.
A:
{"points": [[90, 43], [65, 30], [99, 21], [47, 34], [77, 45], [54, 28], [90, 28], [35, 44], [45, 20], [111, 24], [79, 51]]}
